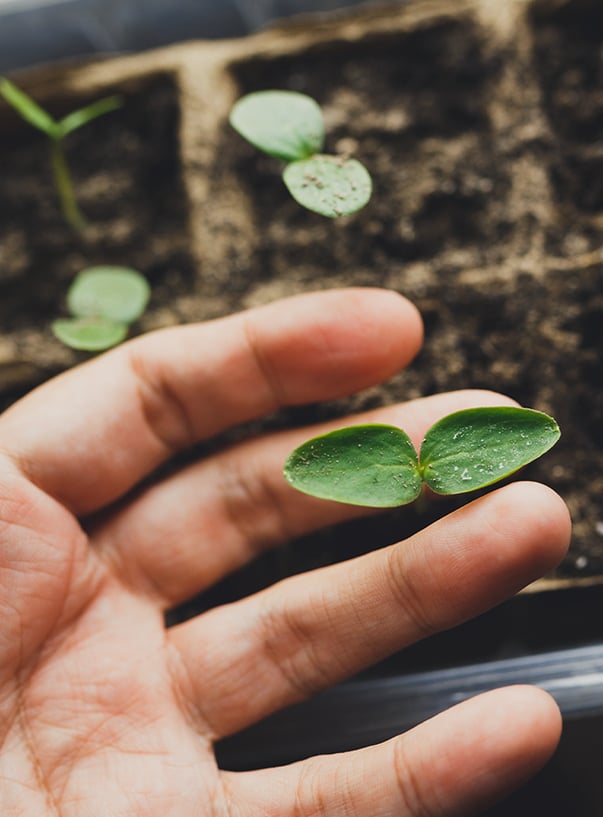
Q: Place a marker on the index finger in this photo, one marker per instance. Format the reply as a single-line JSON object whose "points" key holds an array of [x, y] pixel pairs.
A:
{"points": [[91, 434]]}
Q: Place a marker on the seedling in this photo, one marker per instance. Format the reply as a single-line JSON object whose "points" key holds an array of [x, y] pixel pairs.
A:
{"points": [[290, 127], [103, 301], [377, 466], [56, 131]]}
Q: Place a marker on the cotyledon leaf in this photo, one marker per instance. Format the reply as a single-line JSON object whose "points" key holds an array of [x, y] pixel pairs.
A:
{"points": [[474, 448], [28, 108], [89, 334], [333, 186], [284, 124], [370, 465], [117, 294], [82, 116]]}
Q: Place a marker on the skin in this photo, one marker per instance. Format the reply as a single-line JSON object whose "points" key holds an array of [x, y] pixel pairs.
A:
{"points": [[105, 712]]}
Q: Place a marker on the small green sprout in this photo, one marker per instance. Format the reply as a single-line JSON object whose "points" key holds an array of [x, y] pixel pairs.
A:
{"points": [[103, 301], [377, 466], [290, 127], [56, 130]]}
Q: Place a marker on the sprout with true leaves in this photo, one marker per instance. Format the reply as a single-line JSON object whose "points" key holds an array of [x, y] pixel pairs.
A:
{"points": [[103, 302], [56, 130], [290, 127], [377, 465]]}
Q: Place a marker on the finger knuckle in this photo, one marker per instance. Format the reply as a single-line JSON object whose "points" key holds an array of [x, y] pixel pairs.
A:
{"points": [[415, 801], [408, 595]]}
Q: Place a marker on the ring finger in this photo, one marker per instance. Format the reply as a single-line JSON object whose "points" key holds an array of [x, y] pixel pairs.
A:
{"points": [[247, 659]]}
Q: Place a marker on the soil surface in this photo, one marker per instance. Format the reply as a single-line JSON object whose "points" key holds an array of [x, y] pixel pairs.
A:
{"points": [[487, 159], [126, 171], [487, 213]]}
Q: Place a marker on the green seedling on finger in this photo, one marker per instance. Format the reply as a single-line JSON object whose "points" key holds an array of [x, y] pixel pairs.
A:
{"points": [[103, 302], [56, 130], [290, 127], [377, 466]]}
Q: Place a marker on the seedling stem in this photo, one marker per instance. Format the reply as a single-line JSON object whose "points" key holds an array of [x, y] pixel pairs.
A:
{"points": [[64, 187], [56, 131]]}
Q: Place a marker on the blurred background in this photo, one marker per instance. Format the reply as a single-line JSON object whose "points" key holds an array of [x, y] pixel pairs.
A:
{"points": [[38, 31]]}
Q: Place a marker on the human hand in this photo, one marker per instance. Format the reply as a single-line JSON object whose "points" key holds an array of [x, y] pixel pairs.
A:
{"points": [[105, 713]]}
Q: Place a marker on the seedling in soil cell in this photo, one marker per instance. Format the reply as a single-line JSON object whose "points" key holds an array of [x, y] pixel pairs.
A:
{"points": [[103, 301], [56, 131], [377, 466], [290, 127]]}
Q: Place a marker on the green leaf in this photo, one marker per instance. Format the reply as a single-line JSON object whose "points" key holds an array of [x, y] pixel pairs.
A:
{"points": [[477, 447], [89, 334], [76, 119], [371, 465], [283, 124], [117, 294], [27, 108], [330, 185]]}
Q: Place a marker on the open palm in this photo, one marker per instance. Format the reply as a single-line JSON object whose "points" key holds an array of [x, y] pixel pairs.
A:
{"points": [[105, 712]]}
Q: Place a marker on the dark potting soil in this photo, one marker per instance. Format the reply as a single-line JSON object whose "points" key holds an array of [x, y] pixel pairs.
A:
{"points": [[126, 171], [487, 213]]}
